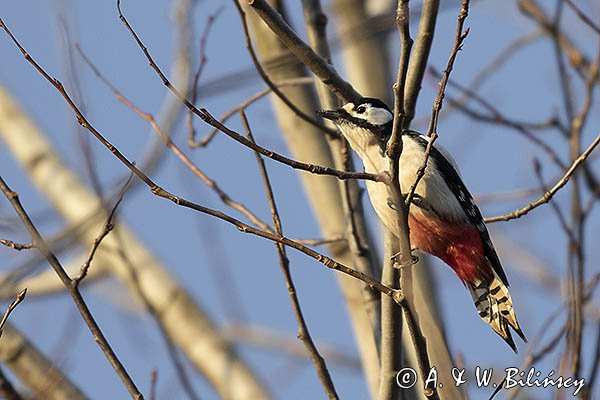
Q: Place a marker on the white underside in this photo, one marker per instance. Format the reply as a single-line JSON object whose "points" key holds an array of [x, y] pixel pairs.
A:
{"points": [[431, 187]]}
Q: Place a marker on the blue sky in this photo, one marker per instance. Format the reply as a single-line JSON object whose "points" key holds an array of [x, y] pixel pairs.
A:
{"points": [[491, 159]]}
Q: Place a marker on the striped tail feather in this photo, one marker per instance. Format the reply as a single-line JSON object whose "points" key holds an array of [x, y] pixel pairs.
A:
{"points": [[495, 307]]}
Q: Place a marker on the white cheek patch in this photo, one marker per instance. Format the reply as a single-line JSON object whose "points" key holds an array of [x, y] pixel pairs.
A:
{"points": [[379, 116]]}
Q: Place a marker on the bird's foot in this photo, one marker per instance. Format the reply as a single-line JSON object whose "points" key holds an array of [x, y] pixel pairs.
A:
{"points": [[396, 258], [391, 205]]}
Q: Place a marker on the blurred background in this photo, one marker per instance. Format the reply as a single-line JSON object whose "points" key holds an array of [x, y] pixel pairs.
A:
{"points": [[508, 60]]}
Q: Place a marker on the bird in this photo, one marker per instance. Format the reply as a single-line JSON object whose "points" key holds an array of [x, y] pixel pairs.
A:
{"points": [[443, 219]]}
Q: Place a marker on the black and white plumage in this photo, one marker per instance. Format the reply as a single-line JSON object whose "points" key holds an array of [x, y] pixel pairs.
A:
{"points": [[443, 219]]}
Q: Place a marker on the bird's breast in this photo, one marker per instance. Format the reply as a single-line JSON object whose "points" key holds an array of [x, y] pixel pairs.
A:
{"points": [[431, 188]]}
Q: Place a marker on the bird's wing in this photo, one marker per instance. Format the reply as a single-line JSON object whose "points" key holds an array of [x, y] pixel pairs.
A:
{"points": [[454, 181]]}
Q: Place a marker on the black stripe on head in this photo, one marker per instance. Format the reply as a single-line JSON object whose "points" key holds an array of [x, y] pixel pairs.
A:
{"points": [[372, 101], [383, 131]]}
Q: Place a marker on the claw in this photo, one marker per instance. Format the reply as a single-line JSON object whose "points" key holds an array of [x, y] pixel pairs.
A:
{"points": [[391, 205], [395, 258]]}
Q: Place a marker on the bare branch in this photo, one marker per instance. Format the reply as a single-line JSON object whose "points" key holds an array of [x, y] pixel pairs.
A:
{"points": [[284, 262], [225, 198], [20, 297], [498, 118], [437, 105], [202, 63], [159, 191], [43, 248], [578, 61], [418, 60], [184, 320], [265, 77], [106, 228], [583, 17], [549, 194], [247, 103], [320, 67], [16, 246], [269, 340], [208, 118]]}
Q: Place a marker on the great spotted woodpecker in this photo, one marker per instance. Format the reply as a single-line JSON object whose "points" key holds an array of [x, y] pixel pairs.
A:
{"points": [[443, 219]]}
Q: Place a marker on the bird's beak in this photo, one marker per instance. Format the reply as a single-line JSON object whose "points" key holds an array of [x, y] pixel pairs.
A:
{"points": [[333, 115]]}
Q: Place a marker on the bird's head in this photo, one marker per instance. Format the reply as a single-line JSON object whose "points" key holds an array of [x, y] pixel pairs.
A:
{"points": [[364, 122]]}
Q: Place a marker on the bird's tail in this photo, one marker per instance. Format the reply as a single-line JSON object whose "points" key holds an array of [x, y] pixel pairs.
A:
{"points": [[495, 307]]}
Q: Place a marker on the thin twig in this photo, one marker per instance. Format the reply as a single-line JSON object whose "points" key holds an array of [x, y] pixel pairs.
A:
{"points": [[583, 17], [537, 167], [201, 64], [549, 194], [307, 56], [437, 105], [498, 118], [94, 328], [274, 88], [576, 245], [20, 297], [284, 262], [159, 191], [577, 59], [16, 246], [590, 382], [286, 344], [153, 381], [495, 64], [531, 357], [225, 198], [107, 227], [209, 119], [152, 309], [247, 103]]}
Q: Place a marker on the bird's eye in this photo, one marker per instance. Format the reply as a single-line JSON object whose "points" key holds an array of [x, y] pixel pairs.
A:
{"points": [[361, 109]]}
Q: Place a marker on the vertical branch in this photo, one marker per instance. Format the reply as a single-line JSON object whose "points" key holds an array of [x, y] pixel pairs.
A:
{"points": [[460, 37], [364, 48], [574, 242], [394, 145], [356, 233], [578, 216], [391, 325], [325, 195], [394, 151], [437, 105], [418, 60], [284, 263], [390, 319]]}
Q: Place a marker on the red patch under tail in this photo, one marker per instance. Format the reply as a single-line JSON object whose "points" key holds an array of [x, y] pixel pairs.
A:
{"points": [[458, 245]]}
